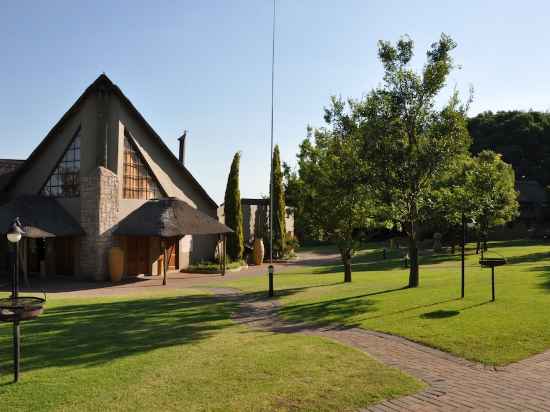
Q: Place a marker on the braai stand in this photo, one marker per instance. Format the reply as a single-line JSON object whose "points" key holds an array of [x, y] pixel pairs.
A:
{"points": [[492, 263], [16, 309]]}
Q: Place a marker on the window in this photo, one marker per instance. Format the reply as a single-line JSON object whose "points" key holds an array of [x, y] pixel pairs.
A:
{"points": [[64, 180], [139, 182]]}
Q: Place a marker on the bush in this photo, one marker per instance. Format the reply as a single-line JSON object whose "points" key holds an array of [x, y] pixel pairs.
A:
{"points": [[206, 266]]}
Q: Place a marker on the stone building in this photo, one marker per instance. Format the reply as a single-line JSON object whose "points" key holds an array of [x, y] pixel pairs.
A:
{"points": [[256, 218], [100, 163]]}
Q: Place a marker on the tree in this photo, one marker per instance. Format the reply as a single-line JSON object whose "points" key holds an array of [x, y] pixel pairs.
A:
{"points": [[481, 188], [233, 211], [334, 199], [523, 139], [490, 185], [279, 207], [407, 140], [293, 187]]}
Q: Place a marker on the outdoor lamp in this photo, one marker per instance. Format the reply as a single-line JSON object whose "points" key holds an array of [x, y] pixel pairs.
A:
{"points": [[15, 232]]}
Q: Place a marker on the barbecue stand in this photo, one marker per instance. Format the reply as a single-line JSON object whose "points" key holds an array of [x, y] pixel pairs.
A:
{"points": [[492, 263], [18, 308]]}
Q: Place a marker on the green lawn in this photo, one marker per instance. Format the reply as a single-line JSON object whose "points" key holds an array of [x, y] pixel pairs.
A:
{"points": [[514, 327], [181, 352]]}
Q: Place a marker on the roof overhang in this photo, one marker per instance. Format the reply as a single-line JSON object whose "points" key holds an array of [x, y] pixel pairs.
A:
{"points": [[40, 217]]}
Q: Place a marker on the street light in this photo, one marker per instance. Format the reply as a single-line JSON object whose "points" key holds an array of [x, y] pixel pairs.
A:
{"points": [[14, 236]]}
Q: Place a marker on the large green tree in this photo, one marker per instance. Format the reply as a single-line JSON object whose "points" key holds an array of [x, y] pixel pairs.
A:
{"points": [[407, 139], [335, 201], [279, 206], [233, 211]]}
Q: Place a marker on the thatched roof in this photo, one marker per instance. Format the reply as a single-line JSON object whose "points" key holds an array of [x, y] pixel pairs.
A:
{"points": [[40, 217], [169, 217]]}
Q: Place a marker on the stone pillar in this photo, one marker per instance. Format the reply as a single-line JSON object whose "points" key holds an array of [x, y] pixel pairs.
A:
{"points": [[99, 208]]}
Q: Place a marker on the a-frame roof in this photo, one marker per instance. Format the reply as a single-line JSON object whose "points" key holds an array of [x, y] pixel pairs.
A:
{"points": [[104, 83]]}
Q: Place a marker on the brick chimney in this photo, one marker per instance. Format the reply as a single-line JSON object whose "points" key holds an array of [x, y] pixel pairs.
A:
{"points": [[182, 147]]}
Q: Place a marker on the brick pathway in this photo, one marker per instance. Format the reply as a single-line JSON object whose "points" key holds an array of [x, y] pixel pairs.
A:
{"points": [[454, 383]]}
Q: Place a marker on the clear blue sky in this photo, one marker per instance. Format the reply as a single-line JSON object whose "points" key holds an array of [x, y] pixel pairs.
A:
{"points": [[205, 66]]}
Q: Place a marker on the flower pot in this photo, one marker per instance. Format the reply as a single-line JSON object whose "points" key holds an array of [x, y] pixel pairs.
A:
{"points": [[258, 251], [116, 264]]}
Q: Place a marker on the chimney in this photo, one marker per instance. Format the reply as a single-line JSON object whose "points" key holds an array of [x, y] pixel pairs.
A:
{"points": [[182, 147]]}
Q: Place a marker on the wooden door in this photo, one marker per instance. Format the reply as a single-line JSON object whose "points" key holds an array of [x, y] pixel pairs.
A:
{"points": [[64, 256], [172, 254], [137, 255]]}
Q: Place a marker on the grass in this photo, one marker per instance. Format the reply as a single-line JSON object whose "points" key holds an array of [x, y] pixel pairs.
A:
{"points": [[181, 352], [514, 327]]}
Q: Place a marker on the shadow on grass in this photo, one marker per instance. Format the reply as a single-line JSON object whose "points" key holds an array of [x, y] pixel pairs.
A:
{"points": [[327, 311], [95, 333], [531, 257], [440, 314]]}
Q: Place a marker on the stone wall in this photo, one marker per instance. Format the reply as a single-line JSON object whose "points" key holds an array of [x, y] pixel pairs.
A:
{"points": [[99, 209]]}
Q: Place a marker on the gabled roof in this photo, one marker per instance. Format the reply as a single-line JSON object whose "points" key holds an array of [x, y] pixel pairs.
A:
{"points": [[169, 217], [105, 84]]}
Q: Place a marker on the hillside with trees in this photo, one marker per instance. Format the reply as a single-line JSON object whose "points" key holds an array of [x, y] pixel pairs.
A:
{"points": [[523, 139]]}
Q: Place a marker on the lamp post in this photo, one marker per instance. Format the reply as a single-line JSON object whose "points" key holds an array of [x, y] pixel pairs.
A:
{"points": [[14, 236]]}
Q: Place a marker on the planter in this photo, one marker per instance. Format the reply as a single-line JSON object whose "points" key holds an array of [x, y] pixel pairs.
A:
{"points": [[258, 252], [116, 264]]}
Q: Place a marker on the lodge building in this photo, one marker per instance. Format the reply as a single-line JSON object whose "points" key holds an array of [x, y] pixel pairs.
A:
{"points": [[86, 188]]}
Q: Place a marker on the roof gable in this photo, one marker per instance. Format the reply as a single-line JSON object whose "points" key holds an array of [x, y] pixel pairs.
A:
{"points": [[103, 84]]}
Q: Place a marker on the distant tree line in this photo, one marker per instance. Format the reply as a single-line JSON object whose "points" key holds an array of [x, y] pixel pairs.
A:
{"points": [[522, 138]]}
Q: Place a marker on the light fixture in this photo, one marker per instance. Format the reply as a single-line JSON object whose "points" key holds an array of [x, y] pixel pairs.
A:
{"points": [[15, 232]]}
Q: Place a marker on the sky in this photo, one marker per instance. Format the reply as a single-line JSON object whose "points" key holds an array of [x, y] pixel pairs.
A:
{"points": [[205, 66]]}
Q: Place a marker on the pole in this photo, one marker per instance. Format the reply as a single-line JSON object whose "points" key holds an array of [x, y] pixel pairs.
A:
{"points": [[224, 249], [462, 255], [270, 271], [164, 262], [271, 160], [16, 294], [16, 349], [493, 282]]}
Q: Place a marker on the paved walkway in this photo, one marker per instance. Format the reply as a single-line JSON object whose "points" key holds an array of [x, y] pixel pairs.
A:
{"points": [[454, 383]]}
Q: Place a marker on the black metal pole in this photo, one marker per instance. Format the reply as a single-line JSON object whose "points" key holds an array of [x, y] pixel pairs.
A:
{"points": [[493, 282], [16, 270], [462, 255], [16, 328], [270, 271], [16, 349]]}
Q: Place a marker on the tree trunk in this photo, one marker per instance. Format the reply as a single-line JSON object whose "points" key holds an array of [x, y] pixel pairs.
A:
{"points": [[346, 259], [413, 258]]}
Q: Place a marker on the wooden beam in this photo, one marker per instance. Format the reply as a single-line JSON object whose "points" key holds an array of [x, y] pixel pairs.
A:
{"points": [[164, 261]]}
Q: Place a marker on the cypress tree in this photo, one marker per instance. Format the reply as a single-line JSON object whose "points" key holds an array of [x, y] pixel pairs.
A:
{"points": [[233, 212], [279, 207]]}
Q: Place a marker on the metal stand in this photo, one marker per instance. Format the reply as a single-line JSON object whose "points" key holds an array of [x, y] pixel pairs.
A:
{"points": [[16, 327], [270, 272], [16, 350], [462, 256], [493, 283]]}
